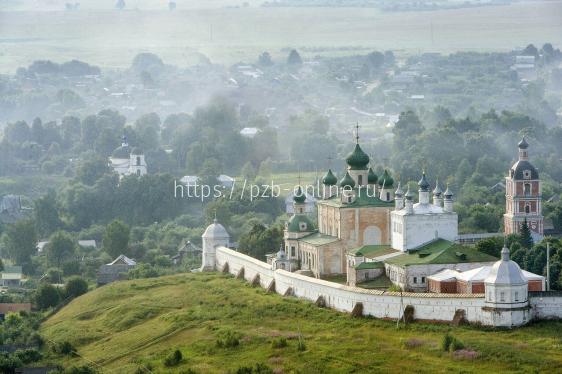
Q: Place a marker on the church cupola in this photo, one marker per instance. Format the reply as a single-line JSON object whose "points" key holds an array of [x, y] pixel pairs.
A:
{"points": [[448, 200], [357, 160], [330, 185], [386, 185], [347, 181], [398, 198], [372, 177], [423, 190], [329, 179], [523, 145], [437, 195], [299, 201], [409, 202]]}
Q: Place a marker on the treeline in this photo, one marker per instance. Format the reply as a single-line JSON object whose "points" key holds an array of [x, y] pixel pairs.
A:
{"points": [[209, 141]]}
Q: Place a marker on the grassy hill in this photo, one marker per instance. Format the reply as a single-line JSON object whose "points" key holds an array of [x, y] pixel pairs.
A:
{"points": [[125, 325]]}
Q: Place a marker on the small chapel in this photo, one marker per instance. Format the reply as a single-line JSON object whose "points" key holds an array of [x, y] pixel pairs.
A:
{"points": [[127, 161]]}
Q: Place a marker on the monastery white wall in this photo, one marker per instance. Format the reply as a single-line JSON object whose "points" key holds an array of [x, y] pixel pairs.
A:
{"points": [[380, 304], [546, 305]]}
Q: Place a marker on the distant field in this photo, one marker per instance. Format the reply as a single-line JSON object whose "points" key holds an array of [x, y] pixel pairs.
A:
{"points": [[111, 38], [122, 326]]}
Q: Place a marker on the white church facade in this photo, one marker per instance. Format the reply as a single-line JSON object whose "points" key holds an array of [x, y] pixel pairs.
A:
{"points": [[127, 161]]}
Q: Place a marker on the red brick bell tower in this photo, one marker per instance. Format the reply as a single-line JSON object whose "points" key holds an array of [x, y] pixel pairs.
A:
{"points": [[523, 199]]}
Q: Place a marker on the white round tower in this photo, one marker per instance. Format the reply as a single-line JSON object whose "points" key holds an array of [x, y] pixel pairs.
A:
{"points": [[506, 293], [214, 236]]}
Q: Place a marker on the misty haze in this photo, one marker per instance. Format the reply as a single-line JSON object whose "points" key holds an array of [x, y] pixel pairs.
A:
{"points": [[280, 186]]}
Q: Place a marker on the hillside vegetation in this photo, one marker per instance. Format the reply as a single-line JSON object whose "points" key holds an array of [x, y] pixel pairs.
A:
{"points": [[221, 324]]}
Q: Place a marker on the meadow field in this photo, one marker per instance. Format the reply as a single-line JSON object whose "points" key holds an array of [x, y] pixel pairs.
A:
{"points": [[227, 34], [221, 324]]}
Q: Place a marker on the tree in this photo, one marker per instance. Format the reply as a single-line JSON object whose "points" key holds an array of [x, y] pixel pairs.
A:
{"points": [[75, 286], [116, 239], [46, 296], [294, 58], [61, 246], [20, 242], [120, 4], [265, 59], [491, 246], [261, 240], [526, 239], [91, 170], [46, 214]]}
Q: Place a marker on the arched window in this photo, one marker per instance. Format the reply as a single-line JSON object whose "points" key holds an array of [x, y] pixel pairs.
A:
{"points": [[138, 161], [527, 209], [388, 196], [360, 180], [527, 189]]}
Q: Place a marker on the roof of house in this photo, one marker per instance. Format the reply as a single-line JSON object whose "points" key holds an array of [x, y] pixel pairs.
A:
{"points": [[371, 251], [122, 259], [319, 239], [441, 251], [12, 269], [87, 243], [370, 265], [475, 275], [362, 199]]}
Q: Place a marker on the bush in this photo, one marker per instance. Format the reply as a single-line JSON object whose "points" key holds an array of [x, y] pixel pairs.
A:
{"points": [[173, 358], [456, 345], [75, 286], [446, 342], [46, 296], [53, 275], [63, 348], [301, 347], [229, 340], [27, 356], [9, 363], [279, 343]]}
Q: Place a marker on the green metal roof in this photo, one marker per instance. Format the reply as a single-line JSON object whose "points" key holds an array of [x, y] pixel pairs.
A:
{"points": [[370, 265], [294, 224], [361, 200], [299, 197], [441, 252], [371, 251], [319, 239], [357, 160], [347, 181], [329, 179], [371, 177], [386, 178]]}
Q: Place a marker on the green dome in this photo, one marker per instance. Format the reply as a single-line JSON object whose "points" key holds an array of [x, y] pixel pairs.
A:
{"points": [[300, 223], [357, 160], [386, 178], [299, 197], [121, 152], [330, 179], [347, 181], [371, 177]]}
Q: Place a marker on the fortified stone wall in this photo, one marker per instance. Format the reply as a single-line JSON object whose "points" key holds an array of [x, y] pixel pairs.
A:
{"points": [[380, 304], [546, 305]]}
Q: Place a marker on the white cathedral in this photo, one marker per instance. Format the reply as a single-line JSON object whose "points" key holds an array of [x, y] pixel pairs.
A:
{"points": [[125, 161]]}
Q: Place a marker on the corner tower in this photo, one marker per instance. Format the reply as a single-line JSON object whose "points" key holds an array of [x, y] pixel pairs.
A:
{"points": [[523, 196]]}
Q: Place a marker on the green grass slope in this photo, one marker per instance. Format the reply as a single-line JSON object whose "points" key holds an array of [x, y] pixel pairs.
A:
{"points": [[128, 324]]}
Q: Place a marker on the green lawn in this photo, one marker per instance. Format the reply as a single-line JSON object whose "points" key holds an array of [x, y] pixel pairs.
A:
{"points": [[133, 323]]}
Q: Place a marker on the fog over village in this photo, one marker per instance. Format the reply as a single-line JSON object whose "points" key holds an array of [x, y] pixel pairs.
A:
{"points": [[280, 186]]}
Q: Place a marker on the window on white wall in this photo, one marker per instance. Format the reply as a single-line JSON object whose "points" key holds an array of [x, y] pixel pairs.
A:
{"points": [[502, 296], [516, 296]]}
